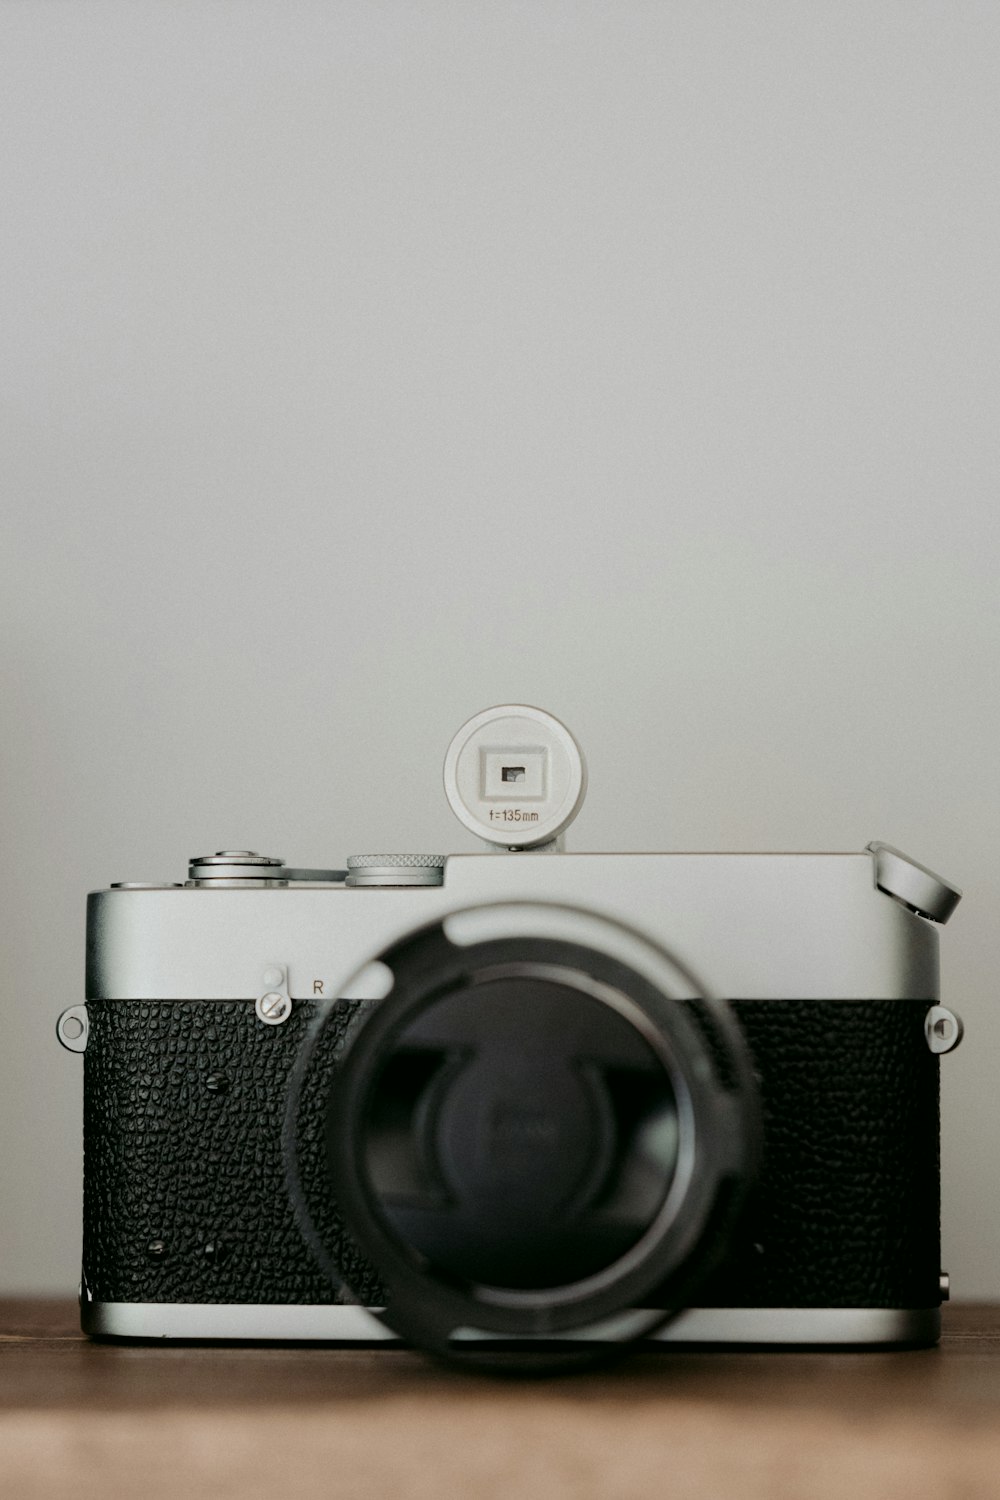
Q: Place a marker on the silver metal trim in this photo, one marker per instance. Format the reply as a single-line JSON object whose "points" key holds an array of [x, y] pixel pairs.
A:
{"points": [[275, 1005], [146, 885], [395, 869], [395, 862], [235, 867], [943, 1029], [763, 925], [73, 1028], [901, 876], [223, 858], [263, 1322]]}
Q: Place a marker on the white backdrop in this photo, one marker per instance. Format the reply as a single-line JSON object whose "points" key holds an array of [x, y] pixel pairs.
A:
{"points": [[365, 364]]}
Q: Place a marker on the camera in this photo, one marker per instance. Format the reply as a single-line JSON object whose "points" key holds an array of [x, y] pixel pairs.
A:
{"points": [[521, 1098]]}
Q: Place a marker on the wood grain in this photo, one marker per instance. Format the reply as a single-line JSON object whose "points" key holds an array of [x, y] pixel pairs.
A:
{"points": [[101, 1420]]}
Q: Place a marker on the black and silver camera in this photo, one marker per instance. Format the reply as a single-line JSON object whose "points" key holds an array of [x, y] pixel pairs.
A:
{"points": [[521, 1097]]}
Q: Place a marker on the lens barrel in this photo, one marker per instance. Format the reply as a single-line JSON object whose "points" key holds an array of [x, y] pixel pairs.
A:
{"points": [[535, 1139]]}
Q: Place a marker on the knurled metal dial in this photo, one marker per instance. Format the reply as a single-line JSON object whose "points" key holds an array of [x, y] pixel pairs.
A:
{"points": [[395, 869]]}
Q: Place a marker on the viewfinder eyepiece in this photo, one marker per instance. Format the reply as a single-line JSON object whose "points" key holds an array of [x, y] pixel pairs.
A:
{"points": [[515, 776]]}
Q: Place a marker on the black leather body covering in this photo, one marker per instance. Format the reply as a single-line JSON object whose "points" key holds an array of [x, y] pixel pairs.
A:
{"points": [[185, 1197]]}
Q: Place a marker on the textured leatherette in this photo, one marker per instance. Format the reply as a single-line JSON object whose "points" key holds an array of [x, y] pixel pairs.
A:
{"points": [[185, 1196]]}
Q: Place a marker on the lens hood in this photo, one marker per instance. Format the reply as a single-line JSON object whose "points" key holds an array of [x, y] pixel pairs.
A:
{"points": [[540, 1137]]}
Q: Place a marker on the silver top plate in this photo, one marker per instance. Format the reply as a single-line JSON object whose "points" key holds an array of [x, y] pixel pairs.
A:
{"points": [[754, 926]]}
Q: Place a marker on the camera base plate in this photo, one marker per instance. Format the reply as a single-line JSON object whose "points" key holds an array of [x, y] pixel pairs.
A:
{"points": [[785, 1327]]}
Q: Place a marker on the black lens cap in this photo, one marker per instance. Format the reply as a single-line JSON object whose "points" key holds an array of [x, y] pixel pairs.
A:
{"points": [[518, 1131], [535, 1145]]}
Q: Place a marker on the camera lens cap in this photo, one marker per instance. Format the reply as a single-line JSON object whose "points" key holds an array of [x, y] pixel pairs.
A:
{"points": [[538, 1140]]}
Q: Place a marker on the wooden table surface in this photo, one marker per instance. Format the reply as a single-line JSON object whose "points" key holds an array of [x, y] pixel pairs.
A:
{"points": [[105, 1420]]}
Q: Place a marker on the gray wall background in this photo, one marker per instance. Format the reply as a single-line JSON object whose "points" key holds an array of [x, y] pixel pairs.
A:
{"points": [[365, 364]]}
